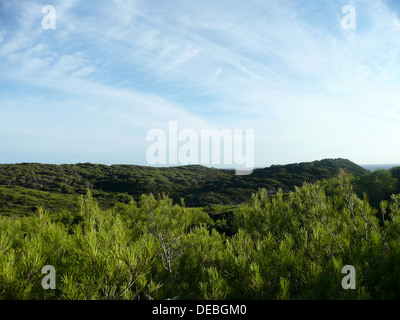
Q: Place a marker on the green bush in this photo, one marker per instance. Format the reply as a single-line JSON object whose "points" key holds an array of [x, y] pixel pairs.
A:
{"points": [[280, 246]]}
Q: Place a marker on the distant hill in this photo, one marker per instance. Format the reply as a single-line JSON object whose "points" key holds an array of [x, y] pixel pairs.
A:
{"points": [[374, 167], [21, 184]]}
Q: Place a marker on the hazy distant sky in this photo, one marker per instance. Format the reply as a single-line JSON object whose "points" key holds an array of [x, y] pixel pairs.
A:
{"points": [[90, 90]]}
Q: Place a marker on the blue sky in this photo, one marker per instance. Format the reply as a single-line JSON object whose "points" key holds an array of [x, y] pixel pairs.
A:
{"points": [[90, 90]]}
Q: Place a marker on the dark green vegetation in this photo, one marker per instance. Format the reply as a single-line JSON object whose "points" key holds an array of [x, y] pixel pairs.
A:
{"points": [[274, 245], [199, 186]]}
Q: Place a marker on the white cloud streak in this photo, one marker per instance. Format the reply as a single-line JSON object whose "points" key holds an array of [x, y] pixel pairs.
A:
{"points": [[309, 88]]}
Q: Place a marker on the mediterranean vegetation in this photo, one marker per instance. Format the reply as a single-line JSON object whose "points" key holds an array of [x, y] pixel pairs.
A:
{"points": [[191, 232]]}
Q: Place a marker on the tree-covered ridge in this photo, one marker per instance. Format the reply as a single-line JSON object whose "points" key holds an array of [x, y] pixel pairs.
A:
{"points": [[281, 246], [200, 186]]}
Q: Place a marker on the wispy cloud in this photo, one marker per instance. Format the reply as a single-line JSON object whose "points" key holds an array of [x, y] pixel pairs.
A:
{"points": [[289, 70]]}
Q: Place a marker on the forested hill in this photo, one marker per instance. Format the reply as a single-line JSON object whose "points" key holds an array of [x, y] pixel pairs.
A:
{"points": [[199, 186]]}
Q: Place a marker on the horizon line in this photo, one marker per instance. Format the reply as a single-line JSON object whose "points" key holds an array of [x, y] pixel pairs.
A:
{"points": [[198, 164]]}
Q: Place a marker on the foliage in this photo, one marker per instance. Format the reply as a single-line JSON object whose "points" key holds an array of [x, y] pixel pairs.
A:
{"points": [[378, 185], [199, 186], [279, 246]]}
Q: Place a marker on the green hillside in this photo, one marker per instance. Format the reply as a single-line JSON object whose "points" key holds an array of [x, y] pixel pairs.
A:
{"points": [[25, 186], [282, 246], [275, 244]]}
